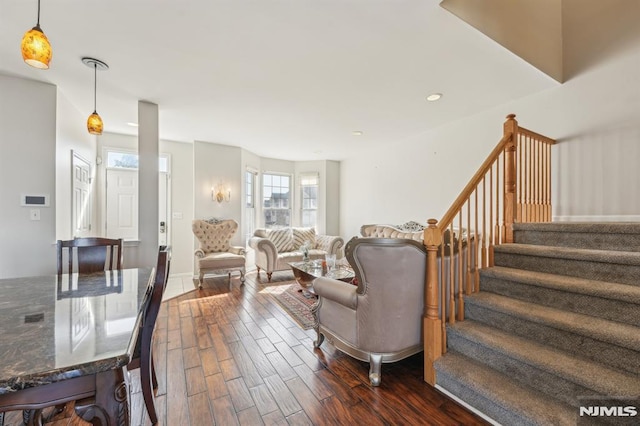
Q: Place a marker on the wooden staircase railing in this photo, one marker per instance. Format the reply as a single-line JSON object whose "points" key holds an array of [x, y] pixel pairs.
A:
{"points": [[512, 185]]}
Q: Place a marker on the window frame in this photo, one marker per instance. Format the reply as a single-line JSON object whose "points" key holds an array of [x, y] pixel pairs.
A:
{"points": [[308, 176], [289, 209]]}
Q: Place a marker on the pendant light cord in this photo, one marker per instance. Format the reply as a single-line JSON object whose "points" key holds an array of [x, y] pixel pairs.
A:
{"points": [[38, 23], [95, 85]]}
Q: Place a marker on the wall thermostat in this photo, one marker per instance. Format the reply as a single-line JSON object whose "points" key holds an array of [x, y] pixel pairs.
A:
{"points": [[30, 200]]}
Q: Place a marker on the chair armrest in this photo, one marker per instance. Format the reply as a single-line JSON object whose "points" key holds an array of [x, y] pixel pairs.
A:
{"points": [[329, 243], [199, 253], [263, 244], [337, 291], [237, 250]]}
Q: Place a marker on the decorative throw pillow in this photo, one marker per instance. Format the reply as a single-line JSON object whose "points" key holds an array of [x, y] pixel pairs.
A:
{"points": [[302, 235], [282, 239]]}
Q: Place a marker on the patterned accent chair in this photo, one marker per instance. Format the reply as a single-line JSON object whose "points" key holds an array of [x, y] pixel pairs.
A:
{"points": [[380, 319], [215, 253]]}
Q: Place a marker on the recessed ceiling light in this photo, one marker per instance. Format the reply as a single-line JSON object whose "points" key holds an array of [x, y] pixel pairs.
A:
{"points": [[132, 124], [434, 97], [357, 133]]}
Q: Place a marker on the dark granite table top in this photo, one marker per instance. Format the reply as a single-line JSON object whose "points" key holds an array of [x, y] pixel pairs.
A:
{"points": [[53, 328]]}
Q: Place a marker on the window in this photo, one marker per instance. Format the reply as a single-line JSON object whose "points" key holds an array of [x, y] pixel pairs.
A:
{"points": [[126, 160], [276, 200], [309, 197], [250, 203]]}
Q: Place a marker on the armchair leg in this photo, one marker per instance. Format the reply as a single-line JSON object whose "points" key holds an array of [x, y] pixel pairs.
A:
{"points": [[269, 275], [375, 369], [241, 276], [319, 340], [258, 268], [200, 278]]}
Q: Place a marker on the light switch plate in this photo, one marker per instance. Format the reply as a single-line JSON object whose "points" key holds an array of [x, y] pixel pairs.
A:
{"points": [[34, 214], [177, 215]]}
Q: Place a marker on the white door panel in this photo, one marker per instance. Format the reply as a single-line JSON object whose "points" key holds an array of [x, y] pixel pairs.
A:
{"points": [[122, 204], [81, 199]]}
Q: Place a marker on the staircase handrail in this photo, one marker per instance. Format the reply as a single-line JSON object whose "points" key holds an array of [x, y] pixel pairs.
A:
{"points": [[473, 183], [522, 158]]}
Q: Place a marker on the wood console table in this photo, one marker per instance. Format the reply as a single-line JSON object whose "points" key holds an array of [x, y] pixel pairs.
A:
{"points": [[68, 338]]}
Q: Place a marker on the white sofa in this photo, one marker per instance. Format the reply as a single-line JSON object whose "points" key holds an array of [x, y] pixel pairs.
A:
{"points": [[276, 248]]}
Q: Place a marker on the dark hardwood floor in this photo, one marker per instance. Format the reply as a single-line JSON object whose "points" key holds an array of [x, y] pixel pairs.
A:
{"points": [[236, 358]]}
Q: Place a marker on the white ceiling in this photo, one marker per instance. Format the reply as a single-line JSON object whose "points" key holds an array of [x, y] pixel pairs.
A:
{"points": [[289, 79]]}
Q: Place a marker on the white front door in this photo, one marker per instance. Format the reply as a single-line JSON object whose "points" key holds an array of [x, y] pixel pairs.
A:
{"points": [[122, 204], [81, 199]]}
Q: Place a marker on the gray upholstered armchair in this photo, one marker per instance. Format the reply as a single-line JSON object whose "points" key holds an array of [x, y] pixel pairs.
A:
{"points": [[215, 253], [380, 319]]}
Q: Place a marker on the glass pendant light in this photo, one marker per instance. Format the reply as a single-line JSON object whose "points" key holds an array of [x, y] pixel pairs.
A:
{"points": [[36, 49], [94, 122]]}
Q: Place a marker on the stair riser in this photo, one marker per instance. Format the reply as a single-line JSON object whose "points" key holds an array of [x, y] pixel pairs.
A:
{"points": [[532, 376], [602, 271], [480, 403], [615, 356], [613, 310], [583, 240]]}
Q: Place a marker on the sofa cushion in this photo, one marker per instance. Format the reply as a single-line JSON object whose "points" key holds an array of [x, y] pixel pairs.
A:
{"points": [[302, 235], [282, 239]]}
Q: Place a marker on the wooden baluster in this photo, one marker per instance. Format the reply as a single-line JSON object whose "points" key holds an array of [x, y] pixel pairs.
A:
{"points": [[452, 287], [491, 236], [520, 169], [549, 183], [467, 289], [432, 326], [529, 179], [443, 297], [536, 182], [497, 237], [462, 277], [476, 271], [484, 223], [510, 126]]}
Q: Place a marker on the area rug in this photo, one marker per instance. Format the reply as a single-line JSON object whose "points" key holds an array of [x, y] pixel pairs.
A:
{"points": [[290, 298]]}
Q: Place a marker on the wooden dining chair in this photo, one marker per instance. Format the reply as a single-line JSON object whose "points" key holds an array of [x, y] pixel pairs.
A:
{"points": [[143, 353], [93, 254]]}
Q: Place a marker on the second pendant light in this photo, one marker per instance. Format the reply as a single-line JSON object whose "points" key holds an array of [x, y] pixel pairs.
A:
{"points": [[94, 122]]}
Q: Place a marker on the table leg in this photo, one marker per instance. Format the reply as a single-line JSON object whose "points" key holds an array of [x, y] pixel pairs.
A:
{"points": [[110, 406]]}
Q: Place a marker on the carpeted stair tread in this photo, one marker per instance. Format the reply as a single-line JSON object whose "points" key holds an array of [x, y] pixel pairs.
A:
{"points": [[595, 288], [590, 375], [587, 255], [612, 332], [496, 395], [581, 227]]}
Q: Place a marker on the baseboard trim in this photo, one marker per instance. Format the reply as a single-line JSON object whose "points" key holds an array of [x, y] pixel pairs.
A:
{"points": [[181, 274], [588, 218], [467, 406]]}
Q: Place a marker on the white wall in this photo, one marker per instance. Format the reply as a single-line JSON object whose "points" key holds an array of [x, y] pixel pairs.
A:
{"points": [[27, 150], [332, 198], [71, 136], [595, 116], [216, 164], [181, 213]]}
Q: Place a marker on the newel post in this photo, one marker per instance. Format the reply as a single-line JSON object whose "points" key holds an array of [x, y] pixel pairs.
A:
{"points": [[510, 128], [432, 325]]}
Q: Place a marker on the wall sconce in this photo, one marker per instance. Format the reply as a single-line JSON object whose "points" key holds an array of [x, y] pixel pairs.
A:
{"points": [[220, 194]]}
